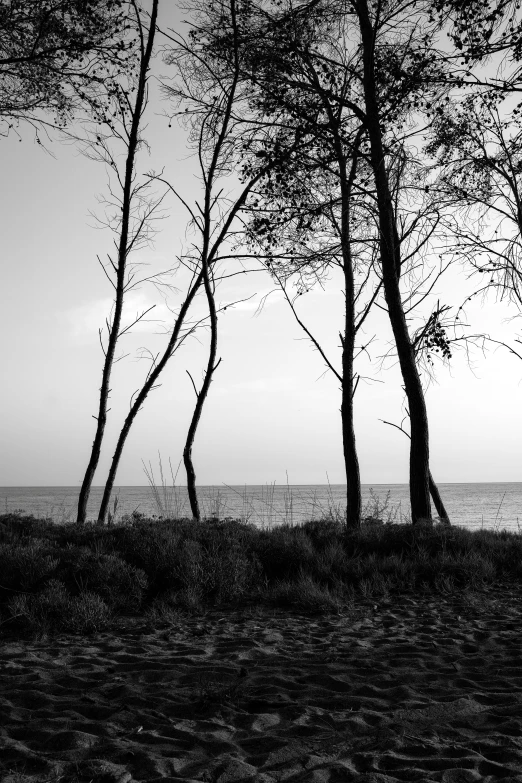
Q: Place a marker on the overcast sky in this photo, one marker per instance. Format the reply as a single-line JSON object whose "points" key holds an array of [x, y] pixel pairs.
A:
{"points": [[271, 409]]}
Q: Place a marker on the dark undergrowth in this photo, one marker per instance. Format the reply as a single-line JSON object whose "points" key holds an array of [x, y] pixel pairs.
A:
{"points": [[65, 578]]}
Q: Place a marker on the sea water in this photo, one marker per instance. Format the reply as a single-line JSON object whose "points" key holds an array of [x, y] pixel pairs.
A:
{"points": [[489, 506]]}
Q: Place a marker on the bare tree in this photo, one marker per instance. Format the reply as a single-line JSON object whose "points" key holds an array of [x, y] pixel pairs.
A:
{"points": [[134, 212], [217, 110]]}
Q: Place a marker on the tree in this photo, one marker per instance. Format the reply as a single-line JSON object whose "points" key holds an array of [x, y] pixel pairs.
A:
{"points": [[479, 154], [307, 247], [212, 122], [217, 111], [374, 30], [476, 140], [56, 55], [134, 212], [371, 68], [316, 221]]}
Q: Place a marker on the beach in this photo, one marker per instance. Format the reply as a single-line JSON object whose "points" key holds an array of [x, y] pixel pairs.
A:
{"points": [[411, 687]]}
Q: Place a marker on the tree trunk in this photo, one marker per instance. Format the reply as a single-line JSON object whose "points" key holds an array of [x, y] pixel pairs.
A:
{"points": [[437, 501], [123, 250], [434, 490], [201, 397], [140, 399], [351, 461], [191, 473], [208, 256], [390, 262]]}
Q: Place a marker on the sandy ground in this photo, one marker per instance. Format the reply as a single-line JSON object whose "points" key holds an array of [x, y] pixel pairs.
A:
{"points": [[417, 688]]}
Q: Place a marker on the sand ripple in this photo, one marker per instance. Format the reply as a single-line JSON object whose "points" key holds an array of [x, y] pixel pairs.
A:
{"points": [[412, 688]]}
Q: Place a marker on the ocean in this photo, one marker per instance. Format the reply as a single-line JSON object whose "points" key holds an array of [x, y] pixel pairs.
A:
{"points": [[491, 506]]}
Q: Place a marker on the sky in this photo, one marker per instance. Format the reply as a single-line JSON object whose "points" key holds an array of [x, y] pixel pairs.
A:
{"points": [[272, 411]]}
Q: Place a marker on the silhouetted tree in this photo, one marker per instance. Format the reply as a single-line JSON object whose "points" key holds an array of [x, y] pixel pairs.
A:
{"points": [[216, 107], [476, 140], [58, 55], [310, 219], [132, 222], [478, 143], [365, 66]]}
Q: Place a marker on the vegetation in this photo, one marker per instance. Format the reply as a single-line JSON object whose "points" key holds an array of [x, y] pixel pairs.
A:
{"points": [[364, 137], [59, 56], [83, 579], [136, 214]]}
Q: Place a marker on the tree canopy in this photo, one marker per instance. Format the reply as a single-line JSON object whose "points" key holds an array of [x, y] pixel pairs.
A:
{"points": [[57, 54]]}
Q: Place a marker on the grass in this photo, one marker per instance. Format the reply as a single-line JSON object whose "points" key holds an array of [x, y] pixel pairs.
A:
{"points": [[65, 578], [264, 510]]}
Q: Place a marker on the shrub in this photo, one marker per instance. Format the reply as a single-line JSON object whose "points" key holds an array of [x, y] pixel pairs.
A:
{"points": [[283, 552], [44, 611], [375, 584], [305, 593], [228, 570], [167, 607], [187, 565], [88, 613], [53, 608], [24, 565], [154, 548], [19, 526], [120, 584], [323, 532], [471, 568], [330, 562]]}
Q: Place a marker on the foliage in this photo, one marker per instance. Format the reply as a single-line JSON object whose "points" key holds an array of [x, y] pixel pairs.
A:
{"points": [[58, 54], [121, 585], [316, 567], [154, 548], [321, 532], [54, 609], [23, 566], [283, 551]]}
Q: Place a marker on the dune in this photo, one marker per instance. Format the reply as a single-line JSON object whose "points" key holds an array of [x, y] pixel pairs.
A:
{"points": [[412, 688]]}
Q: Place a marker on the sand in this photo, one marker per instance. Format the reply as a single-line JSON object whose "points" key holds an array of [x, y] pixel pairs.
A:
{"points": [[412, 688]]}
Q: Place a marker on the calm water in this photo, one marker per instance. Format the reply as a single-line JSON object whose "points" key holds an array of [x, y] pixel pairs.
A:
{"points": [[471, 505]]}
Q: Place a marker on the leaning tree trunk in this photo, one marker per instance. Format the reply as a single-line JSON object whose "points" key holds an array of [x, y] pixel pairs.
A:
{"points": [[437, 501], [434, 490], [123, 250], [390, 262], [201, 397], [142, 396]]}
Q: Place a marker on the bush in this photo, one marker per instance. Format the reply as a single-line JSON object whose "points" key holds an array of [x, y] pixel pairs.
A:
{"points": [[229, 571], [55, 609], [88, 613], [24, 565], [283, 552], [120, 584], [154, 548], [471, 568], [305, 593], [323, 532], [44, 611], [18, 526], [330, 563], [166, 608], [217, 567]]}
